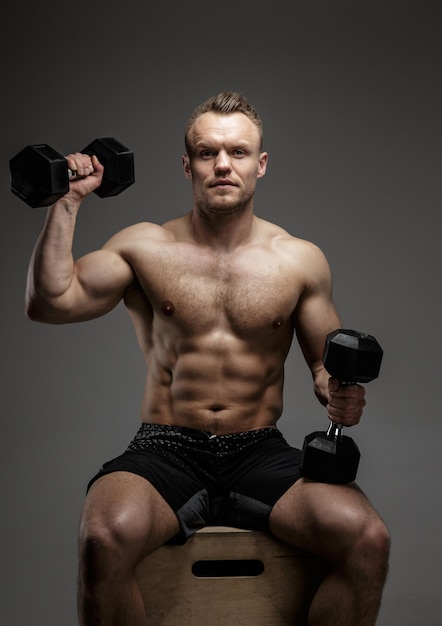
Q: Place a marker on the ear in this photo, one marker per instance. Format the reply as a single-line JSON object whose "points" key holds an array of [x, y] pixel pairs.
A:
{"points": [[262, 167], [186, 166]]}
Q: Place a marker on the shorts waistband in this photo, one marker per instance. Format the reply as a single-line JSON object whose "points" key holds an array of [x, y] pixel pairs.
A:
{"points": [[192, 436], [162, 429]]}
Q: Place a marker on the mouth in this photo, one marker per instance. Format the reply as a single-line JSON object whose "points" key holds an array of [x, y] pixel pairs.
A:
{"points": [[223, 183]]}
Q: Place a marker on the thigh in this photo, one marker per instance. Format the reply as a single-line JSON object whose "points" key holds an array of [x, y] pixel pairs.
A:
{"points": [[126, 510], [170, 471], [322, 518]]}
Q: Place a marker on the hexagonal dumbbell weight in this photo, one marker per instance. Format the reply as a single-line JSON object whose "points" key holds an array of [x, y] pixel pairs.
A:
{"points": [[332, 457], [40, 175]]}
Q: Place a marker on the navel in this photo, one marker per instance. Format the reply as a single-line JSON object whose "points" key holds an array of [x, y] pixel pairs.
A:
{"points": [[167, 308]]}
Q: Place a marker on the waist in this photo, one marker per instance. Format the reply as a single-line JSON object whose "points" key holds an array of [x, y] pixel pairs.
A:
{"points": [[210, 418], [213, 424], [148, 431]]}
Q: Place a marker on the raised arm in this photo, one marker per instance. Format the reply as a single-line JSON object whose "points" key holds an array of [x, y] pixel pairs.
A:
{"points": [[59, 289], [315, 317]]}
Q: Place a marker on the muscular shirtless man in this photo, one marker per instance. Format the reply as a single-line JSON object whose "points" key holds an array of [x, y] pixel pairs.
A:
{"points": [[215, 297]]}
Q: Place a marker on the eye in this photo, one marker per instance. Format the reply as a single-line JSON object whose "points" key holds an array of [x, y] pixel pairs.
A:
{"points": [[238, 152], [206, 154]]}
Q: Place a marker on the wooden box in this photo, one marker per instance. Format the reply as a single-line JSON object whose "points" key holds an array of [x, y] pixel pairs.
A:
{"points": [[226, 576]]}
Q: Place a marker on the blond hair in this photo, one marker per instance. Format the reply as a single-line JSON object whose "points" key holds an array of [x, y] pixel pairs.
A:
{"points": [[225, 103]]}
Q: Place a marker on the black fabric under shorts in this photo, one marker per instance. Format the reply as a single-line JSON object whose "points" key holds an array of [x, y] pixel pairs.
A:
{"points": [[226, 480]]}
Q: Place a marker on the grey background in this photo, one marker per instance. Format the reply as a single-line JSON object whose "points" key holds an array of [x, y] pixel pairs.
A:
{"points": [[350, 95]]}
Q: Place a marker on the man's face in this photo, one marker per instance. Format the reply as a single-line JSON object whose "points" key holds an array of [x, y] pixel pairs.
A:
{"points": [[224, 162]]}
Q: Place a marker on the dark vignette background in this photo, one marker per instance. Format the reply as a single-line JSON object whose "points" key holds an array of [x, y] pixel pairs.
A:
{"points": [[350, 95]]}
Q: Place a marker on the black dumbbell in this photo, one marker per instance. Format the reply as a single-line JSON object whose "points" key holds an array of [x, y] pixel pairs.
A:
{"points": [[332, 457], [40, 175]]}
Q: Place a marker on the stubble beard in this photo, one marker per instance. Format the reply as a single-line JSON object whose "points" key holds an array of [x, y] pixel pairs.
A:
{"points": [[222, 208]]}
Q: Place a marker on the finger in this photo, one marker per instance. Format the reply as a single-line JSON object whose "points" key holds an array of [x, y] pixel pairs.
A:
{"points": [[346, 413], [80, 164], [96, 163]]}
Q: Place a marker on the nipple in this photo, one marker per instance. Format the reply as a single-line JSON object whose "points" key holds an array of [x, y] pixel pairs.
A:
{"points": [[277, 322], [167, 308]]}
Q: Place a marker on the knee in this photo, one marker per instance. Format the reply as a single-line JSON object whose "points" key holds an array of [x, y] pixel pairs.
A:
{"points": [[100, 550], [377, 537], [371, 545]]}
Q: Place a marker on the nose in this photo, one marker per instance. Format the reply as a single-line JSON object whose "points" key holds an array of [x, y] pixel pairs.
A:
{"points": [[222, 163]]}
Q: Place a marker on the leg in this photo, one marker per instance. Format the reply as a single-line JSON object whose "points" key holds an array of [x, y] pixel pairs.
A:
{"points": [[338, 524], [124, 518]]}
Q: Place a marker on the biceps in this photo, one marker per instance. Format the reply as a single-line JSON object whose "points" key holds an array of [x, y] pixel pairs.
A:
{"points": [[103, 274], [99, 282], [315, 317]]}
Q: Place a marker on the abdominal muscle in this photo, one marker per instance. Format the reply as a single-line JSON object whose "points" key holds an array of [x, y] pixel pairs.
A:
{"points": [[212, 387]]}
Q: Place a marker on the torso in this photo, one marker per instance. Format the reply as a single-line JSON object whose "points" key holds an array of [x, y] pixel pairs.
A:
{"points": [[215, 328]]}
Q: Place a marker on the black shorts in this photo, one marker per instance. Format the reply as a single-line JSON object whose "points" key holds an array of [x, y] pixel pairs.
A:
{"points": [[226, 480]]}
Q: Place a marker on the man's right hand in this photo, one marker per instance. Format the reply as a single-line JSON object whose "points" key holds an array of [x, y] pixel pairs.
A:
{"points": [[89, 173]]}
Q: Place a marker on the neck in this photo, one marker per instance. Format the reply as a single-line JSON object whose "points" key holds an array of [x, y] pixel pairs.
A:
{"points": [[222, 232]]}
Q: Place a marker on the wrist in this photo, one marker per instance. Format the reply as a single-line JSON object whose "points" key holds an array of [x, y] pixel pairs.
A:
{"points": [[67, 204]]}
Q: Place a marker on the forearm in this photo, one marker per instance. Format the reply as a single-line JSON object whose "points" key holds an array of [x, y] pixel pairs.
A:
{"points": [[51, 268], [320, 385]]}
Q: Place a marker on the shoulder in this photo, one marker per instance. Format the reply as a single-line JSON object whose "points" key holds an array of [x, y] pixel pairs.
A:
{"points": [[137, 233], [301, 261], [296, 249], [149, 232]]}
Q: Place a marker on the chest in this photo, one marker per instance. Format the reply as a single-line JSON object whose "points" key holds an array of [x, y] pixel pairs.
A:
{"points": [[249, 291]]}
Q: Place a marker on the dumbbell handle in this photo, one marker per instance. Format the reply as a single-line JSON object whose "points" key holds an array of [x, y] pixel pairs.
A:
{"points": [[334, 430], [72, 174]]}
